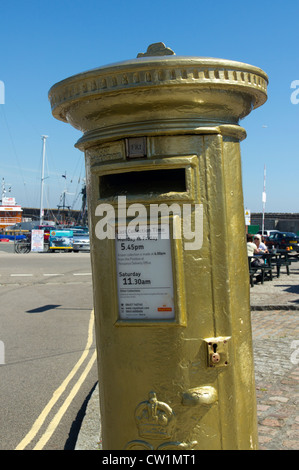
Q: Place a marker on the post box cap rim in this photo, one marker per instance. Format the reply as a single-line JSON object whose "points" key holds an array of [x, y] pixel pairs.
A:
{"points": [[162, 61]]}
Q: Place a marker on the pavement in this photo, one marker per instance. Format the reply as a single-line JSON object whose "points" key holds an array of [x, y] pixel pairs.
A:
{"points": [[275, 333]]}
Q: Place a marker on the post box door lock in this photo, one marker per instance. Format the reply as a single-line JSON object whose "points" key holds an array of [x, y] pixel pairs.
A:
{"points": [[218, 351]]}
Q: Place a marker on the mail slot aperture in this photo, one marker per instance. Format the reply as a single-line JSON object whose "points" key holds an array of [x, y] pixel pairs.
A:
{"points": [[143, 182]]}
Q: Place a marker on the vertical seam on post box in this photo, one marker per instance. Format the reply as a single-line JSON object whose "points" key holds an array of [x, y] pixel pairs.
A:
{"points": [[206, 157], [217, 305], [230, 371], [235, 337], [227, 281], [207, 181]]}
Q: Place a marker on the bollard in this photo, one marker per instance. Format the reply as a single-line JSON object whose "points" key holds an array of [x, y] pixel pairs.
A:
{"points": [[161, 138]]}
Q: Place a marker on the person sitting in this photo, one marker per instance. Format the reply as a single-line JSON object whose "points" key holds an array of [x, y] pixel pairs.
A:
{"points": [[251, 247], [260, 245], [253, 250]]}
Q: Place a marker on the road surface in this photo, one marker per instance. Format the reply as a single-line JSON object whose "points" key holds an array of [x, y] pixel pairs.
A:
{"points": [[47, 348]]}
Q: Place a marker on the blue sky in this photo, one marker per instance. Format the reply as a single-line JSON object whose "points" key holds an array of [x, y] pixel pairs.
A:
{"points": [[43, 42]]}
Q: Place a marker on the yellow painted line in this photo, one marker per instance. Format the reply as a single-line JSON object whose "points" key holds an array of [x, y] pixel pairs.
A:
{"points": [[59, 415], [59, 391]]}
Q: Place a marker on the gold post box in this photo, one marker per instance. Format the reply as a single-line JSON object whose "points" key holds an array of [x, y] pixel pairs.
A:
{"points": [[161, 138]]}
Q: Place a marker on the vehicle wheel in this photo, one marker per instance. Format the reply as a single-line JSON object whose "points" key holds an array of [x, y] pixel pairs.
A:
{"points": [[24, 248]]}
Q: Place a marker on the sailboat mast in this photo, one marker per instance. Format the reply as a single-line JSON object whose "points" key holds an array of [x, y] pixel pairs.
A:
{"points": [[41, 212]]}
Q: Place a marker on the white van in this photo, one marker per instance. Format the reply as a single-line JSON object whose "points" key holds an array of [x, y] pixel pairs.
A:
{"points": [[268, 232]]}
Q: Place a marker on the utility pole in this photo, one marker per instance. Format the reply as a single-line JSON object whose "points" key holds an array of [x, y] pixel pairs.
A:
{"points": [[41, 212], [264, 200]]}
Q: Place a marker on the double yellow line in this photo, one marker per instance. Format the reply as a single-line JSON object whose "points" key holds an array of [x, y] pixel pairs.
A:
{"points": [[57, 394]]}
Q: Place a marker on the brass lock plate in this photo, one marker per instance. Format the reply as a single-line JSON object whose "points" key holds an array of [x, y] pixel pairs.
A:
{"points": [[218, 351]]}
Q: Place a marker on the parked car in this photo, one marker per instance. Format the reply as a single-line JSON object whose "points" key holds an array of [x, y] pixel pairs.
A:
{"points": [[267, 232], [81, 242], [284, 241], [79, 229]]}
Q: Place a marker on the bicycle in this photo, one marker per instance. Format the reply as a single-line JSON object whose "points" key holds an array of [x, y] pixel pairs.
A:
{"points": [[22, 246]]}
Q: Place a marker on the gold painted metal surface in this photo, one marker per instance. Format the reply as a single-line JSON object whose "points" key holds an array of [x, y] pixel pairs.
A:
{"points": [[137, 97], [160, 387], [200, 396]]}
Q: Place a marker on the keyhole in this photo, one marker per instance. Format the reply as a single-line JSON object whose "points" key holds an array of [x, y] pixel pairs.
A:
{"points": [[215, 355]]}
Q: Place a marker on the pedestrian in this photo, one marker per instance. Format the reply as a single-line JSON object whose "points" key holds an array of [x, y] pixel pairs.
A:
{"points": [[259, 244]]}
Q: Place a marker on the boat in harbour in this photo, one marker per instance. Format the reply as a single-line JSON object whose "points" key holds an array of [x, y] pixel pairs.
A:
{"points": [[10, 213]]}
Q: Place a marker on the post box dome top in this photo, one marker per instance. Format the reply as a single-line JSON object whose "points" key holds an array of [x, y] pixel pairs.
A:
{"points": [[157, 74]]}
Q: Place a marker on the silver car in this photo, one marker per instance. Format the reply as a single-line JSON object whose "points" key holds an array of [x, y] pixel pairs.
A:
{"points": [[81, 242]]}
